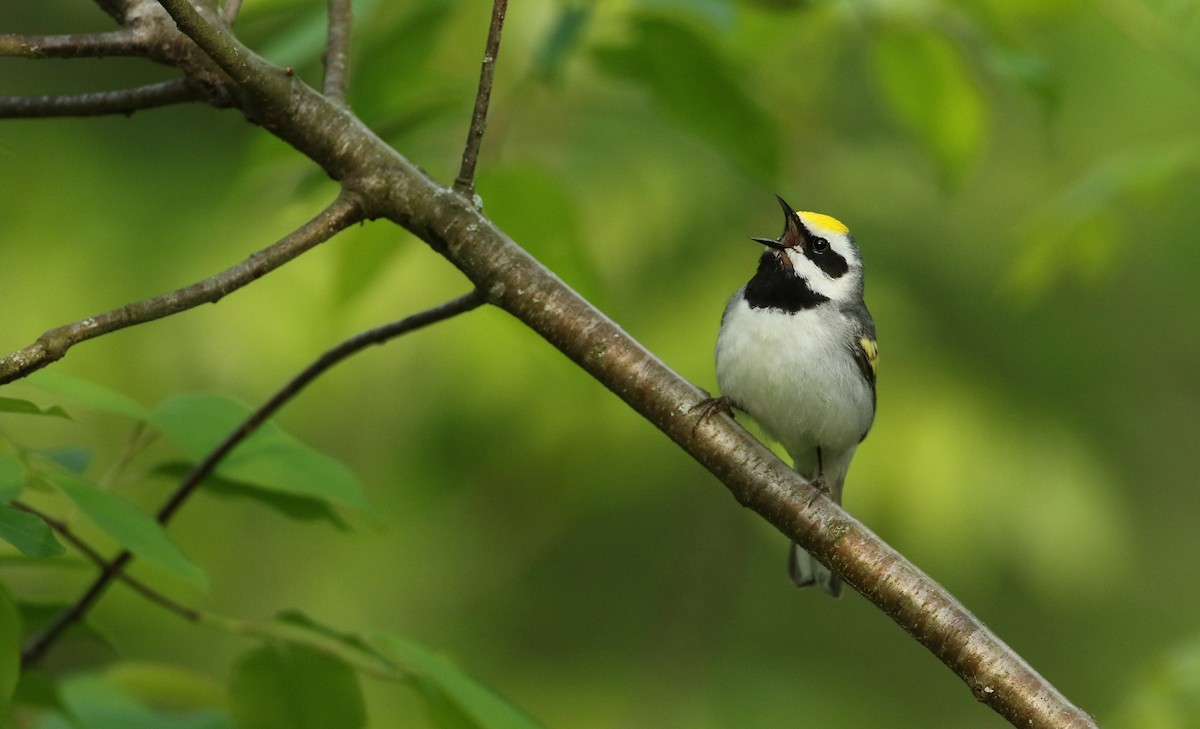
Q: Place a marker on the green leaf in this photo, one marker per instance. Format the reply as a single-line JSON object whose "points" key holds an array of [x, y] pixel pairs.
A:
{"points": [[132, 528], [24, 407], [562, 40], [453, 698], [88, 394], [699, 88], [288, 687], [93, 701], [927, 81], [299, 508], [10, 654], [270, 458], [297, 619], [28, 533], [167, 687], [13, 477]]}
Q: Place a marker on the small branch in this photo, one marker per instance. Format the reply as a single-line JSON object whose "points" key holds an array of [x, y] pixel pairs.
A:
{"points": [[100, 103], [53, 345], [337, 50], [246, 69], [465, 183], [124, 42], [230, 12], [36, 648], [64, 530], [369, 663], [350, 346]]}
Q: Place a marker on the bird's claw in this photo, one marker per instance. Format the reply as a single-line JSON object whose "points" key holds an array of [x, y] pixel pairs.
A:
{"points": [[821, 488], [705, 409]]}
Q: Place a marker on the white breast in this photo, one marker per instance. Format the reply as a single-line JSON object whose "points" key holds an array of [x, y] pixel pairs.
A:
{"points": [[795, 375]]}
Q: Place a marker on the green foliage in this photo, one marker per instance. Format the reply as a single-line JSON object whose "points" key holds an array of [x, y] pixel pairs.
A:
{"points": [[270, 459], [10, 658], [1021, 177], [94, 701], [686, 72], [14, 405], [1168, 695], [132, 528], [13, 477], [288, 687], [928, 83], [453, 699], [88, 394], [563, 40], [28, 533]]}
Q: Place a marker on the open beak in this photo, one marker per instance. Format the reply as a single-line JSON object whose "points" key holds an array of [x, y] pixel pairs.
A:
{"points": [[794, 234]]}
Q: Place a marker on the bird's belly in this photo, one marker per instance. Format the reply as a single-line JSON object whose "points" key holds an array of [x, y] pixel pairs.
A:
{"points": [[794, 374]]}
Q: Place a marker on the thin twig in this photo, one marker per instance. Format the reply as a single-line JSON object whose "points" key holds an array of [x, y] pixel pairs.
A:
{"points": [[464, 184], [350, 346], [364, 660], [36, 648], [99, 103], [64, 530], [230, 12], [218, 43], [123, 42], [337, 50], [53, 345]]}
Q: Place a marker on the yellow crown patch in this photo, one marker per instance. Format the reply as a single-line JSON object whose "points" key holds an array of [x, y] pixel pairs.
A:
{"points": [[820, 220]]}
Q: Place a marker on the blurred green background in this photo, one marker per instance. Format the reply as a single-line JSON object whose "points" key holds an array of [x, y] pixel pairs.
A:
{"points": [[1022, 180]]}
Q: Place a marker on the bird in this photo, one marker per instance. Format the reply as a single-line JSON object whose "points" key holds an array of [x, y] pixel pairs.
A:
{"points": [[796, 352]]}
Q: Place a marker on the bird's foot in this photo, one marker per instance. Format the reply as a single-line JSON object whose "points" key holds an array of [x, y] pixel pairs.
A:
{"points": [[821, 488], [705, 409]]}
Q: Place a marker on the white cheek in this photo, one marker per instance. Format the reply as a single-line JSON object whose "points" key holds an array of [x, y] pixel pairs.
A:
{"points": [[835, 289]]}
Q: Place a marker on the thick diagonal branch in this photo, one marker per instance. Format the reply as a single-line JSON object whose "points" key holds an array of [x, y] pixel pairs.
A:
{"points": [[510, 278], [53, 345]]}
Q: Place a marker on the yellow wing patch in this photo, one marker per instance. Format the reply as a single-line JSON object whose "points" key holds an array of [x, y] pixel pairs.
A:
{"points": [[820, 220], [871, 349]]}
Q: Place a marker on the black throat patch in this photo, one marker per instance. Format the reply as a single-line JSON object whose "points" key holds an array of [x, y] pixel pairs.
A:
{"points": [[775, 286]]}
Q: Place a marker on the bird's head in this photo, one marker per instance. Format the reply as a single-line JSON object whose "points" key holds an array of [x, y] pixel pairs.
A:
{"points": [[815, 254]]}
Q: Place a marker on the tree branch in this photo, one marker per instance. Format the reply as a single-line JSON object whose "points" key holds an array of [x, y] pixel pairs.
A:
{"points": [[63, 529], [230, 12], [337, 50], [465, 183], [53, 345], [519, 284], [256, 77], [390, 186], [99, 103], [123, 42], [36, 648], [348, 347]]}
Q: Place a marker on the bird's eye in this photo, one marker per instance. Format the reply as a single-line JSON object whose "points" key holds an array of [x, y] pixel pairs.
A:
{"points": [[820, 245]]}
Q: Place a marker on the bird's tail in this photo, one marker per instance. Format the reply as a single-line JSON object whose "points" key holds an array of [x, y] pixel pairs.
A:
{"points": [[806, 571], [803, 568]]}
